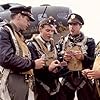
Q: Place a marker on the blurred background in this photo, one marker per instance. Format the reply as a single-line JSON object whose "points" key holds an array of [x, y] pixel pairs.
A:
{"points": [[88, 9]]}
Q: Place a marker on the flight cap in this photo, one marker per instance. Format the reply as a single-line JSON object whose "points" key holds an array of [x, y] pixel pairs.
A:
{"points": [[75, 18], [23, 10], [47, 21]]}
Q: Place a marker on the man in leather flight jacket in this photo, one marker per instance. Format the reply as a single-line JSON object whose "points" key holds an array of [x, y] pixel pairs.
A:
{"points": [[79, 54], [47, 78], [15, 55]]}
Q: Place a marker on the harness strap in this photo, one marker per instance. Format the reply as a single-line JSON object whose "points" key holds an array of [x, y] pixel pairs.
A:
{"points": [[14, 39], [31, 95], [47, 88], [4, 94], [97, 86], [69, 85], [81, 85]]}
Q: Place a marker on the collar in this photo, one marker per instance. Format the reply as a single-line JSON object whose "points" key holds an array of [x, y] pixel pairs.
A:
{"points": [[17, 31], [15, 27], [77, 38], [45, 42]]}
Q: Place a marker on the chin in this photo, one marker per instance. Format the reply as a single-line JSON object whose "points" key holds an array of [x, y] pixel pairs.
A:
{"points": [[47, 39]]}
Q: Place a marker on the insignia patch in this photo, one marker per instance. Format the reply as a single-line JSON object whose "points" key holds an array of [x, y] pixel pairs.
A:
{"points": [[73, 16]]}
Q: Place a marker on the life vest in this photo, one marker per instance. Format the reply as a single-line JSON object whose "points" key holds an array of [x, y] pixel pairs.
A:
{"points": [[43, 50], [75, 64], [49, 57], [22, 50]]}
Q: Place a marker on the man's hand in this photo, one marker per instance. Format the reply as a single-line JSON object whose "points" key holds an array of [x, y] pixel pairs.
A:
{"points": [[39, 63], [53, 66], [85, 71], [68, 56], [91, 74], [78, 55]]}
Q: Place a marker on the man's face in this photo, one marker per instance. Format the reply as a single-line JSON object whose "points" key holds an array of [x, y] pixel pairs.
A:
{"points": [[74, 28], [24, 22], [46, 32]]}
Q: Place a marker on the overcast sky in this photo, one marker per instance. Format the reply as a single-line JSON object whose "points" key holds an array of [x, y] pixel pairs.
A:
{"points": [[88, 9]]}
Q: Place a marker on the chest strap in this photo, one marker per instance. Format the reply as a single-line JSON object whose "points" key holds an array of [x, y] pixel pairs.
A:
{"points": [[47, 88]]}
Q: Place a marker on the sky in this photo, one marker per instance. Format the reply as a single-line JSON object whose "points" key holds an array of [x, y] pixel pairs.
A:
{"points": [[88, 9]]}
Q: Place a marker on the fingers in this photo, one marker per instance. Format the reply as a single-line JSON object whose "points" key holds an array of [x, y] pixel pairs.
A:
{"points": [[89, 73], [56, 62], [85, 71], [90, 77], [39, 63], [43, 57], [43, 64]]}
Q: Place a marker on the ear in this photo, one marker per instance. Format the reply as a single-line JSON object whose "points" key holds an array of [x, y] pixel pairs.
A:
{"points": [[18, 16], [80, 26], [40, 28]]}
